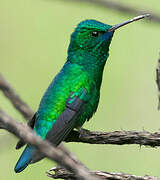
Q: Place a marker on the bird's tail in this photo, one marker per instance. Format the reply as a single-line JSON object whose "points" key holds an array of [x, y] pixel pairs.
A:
{"points": [[25, 159]]}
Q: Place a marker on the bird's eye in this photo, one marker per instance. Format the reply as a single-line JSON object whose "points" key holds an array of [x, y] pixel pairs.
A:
{"points": [[95, 33]]}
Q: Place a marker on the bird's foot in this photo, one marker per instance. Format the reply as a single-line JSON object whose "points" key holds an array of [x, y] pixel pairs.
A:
{"points": [[82, 132]]}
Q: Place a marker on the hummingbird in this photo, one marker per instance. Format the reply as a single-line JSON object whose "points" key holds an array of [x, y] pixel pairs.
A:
{"points": [[73, 96]]}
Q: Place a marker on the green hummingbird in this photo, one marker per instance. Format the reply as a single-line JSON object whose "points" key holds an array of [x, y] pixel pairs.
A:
{"points": [[73, 95]]}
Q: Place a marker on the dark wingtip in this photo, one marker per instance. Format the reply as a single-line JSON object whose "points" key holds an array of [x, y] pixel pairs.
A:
{"points": [[20, 144]]}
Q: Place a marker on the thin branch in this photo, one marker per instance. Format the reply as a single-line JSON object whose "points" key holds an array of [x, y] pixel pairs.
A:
{"points": [[57, 173], [116, 137], [16, 101], [121, 8], [158, 81], [24, 132]]}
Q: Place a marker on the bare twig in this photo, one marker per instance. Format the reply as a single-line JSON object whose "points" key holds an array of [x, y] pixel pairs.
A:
{"points": [[121, 8], [158, 81], [24, 132], [17, 102], [116, 137], [57, 173]]}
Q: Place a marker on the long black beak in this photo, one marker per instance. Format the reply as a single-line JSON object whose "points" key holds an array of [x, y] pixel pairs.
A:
{"points": [[113, 28]]}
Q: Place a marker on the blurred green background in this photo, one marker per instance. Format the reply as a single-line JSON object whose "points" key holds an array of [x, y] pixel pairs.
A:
{"points": [[34, 36]]}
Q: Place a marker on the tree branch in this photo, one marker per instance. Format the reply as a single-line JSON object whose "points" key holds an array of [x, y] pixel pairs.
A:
{"points": [[158, 81], [14, 98], [62, 173], [24, 132], [121, 8], [116, 137]]}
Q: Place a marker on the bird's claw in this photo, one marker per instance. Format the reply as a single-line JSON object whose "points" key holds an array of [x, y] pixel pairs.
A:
{"points": [[82, 132]]}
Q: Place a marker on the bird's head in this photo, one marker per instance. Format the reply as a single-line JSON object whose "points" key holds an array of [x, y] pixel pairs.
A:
{"points": [[91, 40]]}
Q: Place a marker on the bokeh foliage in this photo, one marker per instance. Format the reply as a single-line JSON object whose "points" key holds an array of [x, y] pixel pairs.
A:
{"points": [[34, 36]]}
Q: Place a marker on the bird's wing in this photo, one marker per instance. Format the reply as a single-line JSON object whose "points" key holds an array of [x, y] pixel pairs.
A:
{"points": [[66, 121], [30, 123]]}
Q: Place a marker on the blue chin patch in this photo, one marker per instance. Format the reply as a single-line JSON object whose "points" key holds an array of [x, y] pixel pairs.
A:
{"points": [[107, 36]]}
